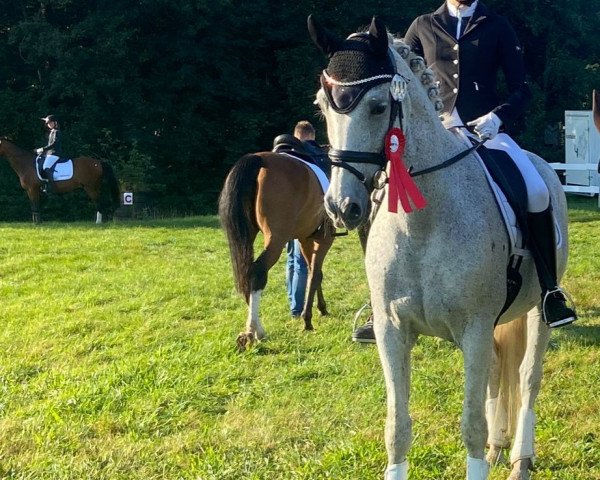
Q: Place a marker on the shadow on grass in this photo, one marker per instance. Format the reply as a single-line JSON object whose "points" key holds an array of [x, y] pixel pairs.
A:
{"points": [[583, 335]]}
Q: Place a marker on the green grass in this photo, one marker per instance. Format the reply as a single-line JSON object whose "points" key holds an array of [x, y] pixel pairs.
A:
{"points": [[118, 361]]}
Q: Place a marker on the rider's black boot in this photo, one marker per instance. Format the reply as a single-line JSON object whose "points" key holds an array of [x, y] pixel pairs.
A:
{"points": [[542, 244], [50, 186]]}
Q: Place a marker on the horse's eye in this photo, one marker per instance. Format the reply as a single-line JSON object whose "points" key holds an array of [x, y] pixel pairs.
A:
{"points": [[378, 108]]}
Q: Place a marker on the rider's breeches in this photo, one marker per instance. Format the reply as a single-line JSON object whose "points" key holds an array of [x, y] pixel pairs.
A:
{"points": [[538, 197], [49, 161]]}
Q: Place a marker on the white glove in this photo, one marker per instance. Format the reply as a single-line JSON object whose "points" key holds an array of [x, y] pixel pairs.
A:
{"points": [[486, 126], [39, 151]]}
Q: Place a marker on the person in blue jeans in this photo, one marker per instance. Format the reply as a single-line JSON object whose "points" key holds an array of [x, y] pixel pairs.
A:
{"points": [[296, 275]]}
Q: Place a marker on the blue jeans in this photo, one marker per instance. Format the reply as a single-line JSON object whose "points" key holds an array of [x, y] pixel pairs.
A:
{"points": [[296, 275]]}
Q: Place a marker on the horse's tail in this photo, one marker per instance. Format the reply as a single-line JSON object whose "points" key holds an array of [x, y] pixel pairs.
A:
{"points": [[236, 212], [110, 180], [510, 343]]}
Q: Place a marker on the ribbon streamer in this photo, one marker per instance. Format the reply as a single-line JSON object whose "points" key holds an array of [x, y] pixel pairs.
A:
{"points": [[401, 185]]}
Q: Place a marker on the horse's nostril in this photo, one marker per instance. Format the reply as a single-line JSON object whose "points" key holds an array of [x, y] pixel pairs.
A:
{"points": [[353, 212]]}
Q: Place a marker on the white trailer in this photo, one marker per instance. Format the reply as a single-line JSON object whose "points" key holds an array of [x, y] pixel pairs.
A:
{"points": [[582, 147]]}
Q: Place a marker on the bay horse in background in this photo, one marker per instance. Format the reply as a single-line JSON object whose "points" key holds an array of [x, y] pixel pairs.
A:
{"points": [[281, 197], [96, 177]]}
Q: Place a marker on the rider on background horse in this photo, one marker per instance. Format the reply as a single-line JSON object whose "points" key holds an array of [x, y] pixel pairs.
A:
{"points": [[465, 44], [52, 151]]}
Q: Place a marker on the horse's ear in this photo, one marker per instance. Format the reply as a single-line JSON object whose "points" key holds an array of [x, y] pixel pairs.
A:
{"points": [[596, 108], [378, 36], [327, 42]]}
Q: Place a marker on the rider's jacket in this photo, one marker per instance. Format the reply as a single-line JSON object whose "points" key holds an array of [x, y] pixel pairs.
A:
{"points": [[468, 67], [54, 146]]}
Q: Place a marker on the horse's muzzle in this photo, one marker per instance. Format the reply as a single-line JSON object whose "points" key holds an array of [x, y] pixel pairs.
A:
{"points": [[346, 214]]}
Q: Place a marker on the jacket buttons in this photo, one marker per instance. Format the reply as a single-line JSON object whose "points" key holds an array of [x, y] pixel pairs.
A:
{"points": [[455, 61], [455, 75], [455, 90], [455, 47]]}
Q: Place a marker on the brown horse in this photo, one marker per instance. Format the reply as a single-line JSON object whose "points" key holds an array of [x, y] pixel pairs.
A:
{"points": [[281, 197], [94, 176]]}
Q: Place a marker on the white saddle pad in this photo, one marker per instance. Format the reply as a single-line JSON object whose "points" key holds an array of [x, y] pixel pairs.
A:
{"points": [[62, 171], [316, 170]]}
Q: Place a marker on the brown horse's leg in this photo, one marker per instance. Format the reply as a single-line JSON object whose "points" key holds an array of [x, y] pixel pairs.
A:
{"points": [[315, 250], [34, 200], [94, 193]]}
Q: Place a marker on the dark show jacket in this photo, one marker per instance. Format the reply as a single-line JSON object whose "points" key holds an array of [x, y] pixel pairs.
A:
{"points": [[54, 146], [468, 68]]}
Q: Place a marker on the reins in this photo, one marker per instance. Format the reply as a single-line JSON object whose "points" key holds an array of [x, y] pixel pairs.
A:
{"points": [[448, 162]]}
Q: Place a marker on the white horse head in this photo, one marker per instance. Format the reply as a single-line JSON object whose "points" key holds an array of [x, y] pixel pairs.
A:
{"points": [[372, 82]]}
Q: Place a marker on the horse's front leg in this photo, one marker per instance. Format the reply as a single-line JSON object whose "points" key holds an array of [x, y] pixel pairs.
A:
{"points": [[523, 452], [34, 200], [477, 345], [394, 343]]}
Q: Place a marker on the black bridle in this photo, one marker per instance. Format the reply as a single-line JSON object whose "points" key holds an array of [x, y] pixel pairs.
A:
{"points": [[345, 158]]}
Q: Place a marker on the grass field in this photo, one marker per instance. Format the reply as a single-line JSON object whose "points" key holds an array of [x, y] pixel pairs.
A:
{"points": [[117, 361]]}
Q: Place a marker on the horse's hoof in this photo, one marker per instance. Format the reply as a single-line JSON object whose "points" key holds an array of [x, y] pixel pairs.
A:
{"points": [[308, 327], [244, 341], [496, 456], [521, 470], [323, 312]]}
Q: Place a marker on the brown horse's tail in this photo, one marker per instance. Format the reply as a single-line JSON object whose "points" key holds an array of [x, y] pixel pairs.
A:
{"points": [[110, 183], [236, 212]]}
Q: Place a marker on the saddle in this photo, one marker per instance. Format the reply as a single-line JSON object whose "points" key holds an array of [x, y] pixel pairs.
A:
{"points": [[508, 178], [289, 144]]}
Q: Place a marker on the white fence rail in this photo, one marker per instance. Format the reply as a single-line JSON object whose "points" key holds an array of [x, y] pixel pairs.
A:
{"points": [[586, 189]]}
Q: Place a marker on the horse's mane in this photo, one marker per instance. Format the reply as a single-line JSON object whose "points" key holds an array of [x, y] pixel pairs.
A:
{"points": [[418, 67]]}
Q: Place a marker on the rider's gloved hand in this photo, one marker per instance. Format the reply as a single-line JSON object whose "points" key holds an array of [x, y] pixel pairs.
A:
{"points": [[39, 151], [486, 126]]}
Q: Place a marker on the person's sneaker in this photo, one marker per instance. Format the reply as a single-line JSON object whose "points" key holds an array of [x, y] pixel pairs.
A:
{"points": [[556, 311], [364, 334]]}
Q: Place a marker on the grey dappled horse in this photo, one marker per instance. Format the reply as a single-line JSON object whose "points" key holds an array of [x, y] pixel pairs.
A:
{"points": [[441, 270]]}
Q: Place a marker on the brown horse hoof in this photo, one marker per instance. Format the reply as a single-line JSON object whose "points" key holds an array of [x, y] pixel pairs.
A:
{"points": [[244, 341]]}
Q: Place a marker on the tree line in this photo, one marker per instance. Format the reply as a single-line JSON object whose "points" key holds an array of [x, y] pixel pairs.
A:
{"points": [[173, 92]]}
